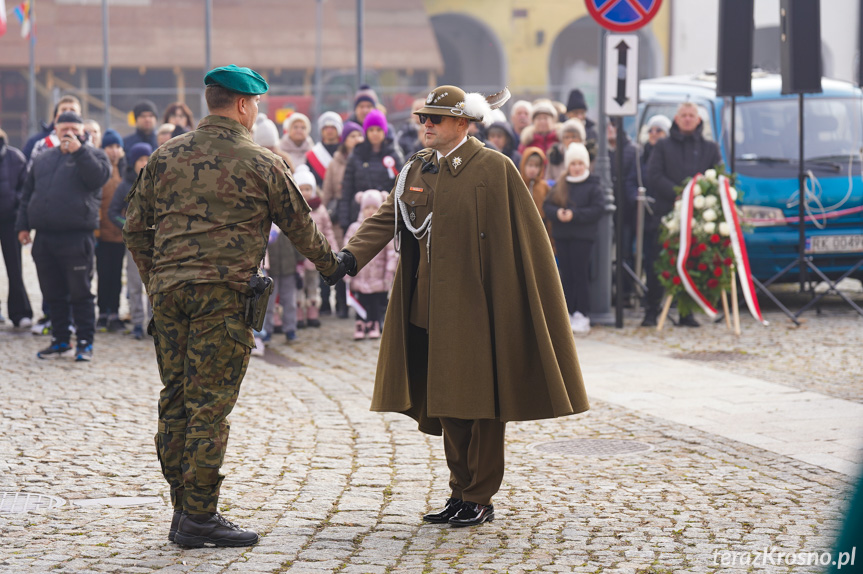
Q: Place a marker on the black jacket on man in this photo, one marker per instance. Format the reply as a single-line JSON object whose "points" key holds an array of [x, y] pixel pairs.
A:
{"points": [[672, 160], [139, 137], [13, 171], [63, 192], [366, 170]]}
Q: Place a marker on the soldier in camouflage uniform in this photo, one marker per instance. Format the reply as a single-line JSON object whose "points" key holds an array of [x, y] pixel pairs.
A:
{"points": [[197, 225]]}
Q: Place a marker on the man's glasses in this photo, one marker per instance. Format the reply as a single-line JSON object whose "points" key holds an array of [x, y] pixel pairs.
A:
{"points": [[434, 119]]}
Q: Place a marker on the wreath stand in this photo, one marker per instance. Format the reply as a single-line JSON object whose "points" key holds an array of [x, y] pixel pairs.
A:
{"points": [[735, 307]]}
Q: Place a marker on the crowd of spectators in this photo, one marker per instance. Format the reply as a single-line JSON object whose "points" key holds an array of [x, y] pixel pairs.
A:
{"points": [[345, 162]]}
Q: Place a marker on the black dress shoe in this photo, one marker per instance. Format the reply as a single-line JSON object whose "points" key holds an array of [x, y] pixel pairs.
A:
{"points": [[472, 513], [196, 530], [687, 321], [453, 505], [175, 522]]}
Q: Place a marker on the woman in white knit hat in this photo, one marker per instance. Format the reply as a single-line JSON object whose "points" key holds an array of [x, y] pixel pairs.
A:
{"points": [[574, 207], [295, 137], [265, 134]]}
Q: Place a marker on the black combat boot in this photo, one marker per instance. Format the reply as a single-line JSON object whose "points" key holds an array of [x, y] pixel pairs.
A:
{"points": [[196, 530], [175, 522]]}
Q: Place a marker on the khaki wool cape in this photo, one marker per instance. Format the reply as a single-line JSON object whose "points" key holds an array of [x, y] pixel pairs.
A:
{"points": [[500, 341]]}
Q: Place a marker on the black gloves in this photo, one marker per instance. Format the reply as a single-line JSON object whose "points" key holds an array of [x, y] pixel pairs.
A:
{"points": [[347, 266]]}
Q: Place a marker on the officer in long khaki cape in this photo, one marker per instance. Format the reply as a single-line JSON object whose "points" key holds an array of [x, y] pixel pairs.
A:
{"points": [[477, 332], [197, 225]]}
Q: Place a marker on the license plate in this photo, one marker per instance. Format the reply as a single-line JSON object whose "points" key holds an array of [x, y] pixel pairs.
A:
{"points": [[834, 244]]}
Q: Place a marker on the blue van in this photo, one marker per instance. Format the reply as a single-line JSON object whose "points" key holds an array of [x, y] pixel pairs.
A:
{"points": [[767, 151]]}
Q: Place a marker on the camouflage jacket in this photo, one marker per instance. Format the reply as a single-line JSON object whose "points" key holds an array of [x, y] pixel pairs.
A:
{"points": [[200, 212]]}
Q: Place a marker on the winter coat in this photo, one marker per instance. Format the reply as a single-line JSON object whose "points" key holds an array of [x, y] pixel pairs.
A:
{"points": [[118, 205], [500, 343], [630, 186], [587, 202], [109, 231], [139, 137], [377, 275], [510, 150], [297, 153], [325, 226], [538, 187], [408, 139], [672, 160], [283, 257], [45, 131], [332, 188], [529, 138], [366, 170], [63, 192], [13, 172]]}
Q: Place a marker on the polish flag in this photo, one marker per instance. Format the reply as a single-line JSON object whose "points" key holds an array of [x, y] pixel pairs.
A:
{"points": [[2, 17]]}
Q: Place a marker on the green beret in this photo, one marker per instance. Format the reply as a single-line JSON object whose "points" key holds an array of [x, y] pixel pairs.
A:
{"points": [[241, 80]]}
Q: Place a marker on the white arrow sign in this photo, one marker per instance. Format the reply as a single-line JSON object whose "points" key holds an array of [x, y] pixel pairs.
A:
{"points": [[621, 74]]}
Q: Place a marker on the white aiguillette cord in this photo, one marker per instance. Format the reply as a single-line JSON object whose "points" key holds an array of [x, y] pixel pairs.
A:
{"points": [[424, 230]]}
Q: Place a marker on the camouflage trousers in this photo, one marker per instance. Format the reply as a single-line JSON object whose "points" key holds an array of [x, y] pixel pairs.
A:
{"points": [[202, 349]]}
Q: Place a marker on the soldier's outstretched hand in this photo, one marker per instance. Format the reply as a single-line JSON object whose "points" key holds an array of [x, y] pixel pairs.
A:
{"points": [[347, 266]]}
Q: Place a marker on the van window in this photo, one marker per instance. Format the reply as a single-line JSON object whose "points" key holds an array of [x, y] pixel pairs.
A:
{"points": [[767, 129], [669, 109]]}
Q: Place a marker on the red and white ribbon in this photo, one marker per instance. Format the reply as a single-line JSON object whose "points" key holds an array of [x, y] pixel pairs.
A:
{"points": [[686, 206], [738, 246], [319, 158], [390, 164]]}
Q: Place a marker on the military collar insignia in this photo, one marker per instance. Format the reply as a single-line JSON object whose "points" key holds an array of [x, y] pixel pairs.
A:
{"points": [[456, 162]]}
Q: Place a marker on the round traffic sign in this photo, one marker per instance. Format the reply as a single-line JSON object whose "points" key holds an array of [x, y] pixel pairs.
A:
{"points": [[622, 15]]}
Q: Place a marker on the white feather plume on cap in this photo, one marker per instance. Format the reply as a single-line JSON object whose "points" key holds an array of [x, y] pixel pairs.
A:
{"points": [[476, 106]]}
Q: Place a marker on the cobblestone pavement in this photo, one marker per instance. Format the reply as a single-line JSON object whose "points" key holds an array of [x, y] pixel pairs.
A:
{"points": [[333, 487], [820, 355]]}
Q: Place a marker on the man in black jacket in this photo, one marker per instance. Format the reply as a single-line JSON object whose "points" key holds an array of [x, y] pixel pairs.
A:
{"points": [[61, 200], [146, 117], [13, 170], [681, 155]]}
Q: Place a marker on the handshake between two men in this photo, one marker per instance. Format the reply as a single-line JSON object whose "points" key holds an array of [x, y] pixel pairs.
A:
{"points": [[347, 266]]}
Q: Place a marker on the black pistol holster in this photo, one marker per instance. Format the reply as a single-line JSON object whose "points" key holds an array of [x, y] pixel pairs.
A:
{"points": [[256, 303]]}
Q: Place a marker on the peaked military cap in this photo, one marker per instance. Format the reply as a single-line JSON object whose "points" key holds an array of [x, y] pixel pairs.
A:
{"points": [[241, 80]]}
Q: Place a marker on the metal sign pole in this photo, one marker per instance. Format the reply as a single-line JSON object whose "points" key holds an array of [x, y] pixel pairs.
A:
{"points": [[31, 88], [106, 70], [618, 224], [600, 284], [801, 204], [360, 26]]}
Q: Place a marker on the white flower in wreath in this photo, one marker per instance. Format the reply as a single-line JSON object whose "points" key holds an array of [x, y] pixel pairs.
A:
{"points": [[698, 202], [677, 205], [710, 227], [710, 174], [696, 190], [709, 215], [710, 200], [672, 226], [724, 229], [733, 193]]}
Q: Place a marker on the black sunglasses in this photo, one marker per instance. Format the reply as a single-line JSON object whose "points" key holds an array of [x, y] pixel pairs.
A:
{"points": [[434, 119]]}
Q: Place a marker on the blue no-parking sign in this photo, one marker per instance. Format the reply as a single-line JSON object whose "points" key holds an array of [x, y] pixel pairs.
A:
{"points": [[622, 15]]}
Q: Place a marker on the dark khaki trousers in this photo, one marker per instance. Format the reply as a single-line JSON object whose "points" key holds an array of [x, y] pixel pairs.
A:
{"points": [[475, 457]]}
